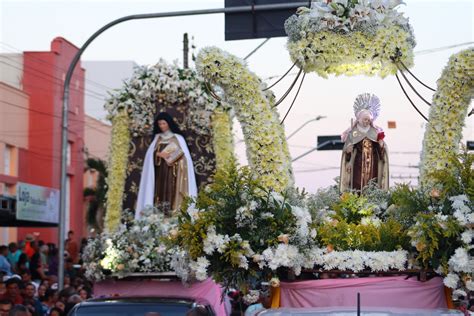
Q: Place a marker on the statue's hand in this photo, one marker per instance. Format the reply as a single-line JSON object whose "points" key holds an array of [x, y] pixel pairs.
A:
{"points": [[349, 149], [381, 143]]}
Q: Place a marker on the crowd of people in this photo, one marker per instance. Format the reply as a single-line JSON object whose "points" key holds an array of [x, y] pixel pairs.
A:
{"points": [[29, 278]]}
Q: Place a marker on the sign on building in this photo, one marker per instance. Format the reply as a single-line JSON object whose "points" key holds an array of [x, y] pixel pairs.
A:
{"points": [[37, 203]]}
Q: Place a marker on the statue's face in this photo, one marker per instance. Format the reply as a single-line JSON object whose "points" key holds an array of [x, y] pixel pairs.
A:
{"points": [[364, 119], [163, 125]]}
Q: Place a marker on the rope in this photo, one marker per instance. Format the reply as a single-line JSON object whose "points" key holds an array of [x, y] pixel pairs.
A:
{"points": [[421, 82], [413, 88], [292, 103], [289, 89], [280, 78], [403, 89]]}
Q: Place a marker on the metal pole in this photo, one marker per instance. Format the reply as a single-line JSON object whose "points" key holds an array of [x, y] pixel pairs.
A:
{"points": [[256, 48], [333, 142], [67, 82], [185, 50], [317, 118]]}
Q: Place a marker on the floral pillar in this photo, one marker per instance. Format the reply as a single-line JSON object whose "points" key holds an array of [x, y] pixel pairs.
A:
{"points": [[447, 115]]}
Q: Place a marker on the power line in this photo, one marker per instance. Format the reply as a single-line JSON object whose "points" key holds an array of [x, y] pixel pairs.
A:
{"points": [[58, 83], [16, 50]]}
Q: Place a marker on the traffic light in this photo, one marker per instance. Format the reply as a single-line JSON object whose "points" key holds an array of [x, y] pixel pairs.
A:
{"points": [[257, 24]]}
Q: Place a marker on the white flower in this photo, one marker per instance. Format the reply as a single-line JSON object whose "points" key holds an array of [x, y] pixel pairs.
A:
{"points": [[214, 241], [459, 293], [200, 268], [467, 236], [451, 280], [470, 285], [251, 297], [461, 261]]}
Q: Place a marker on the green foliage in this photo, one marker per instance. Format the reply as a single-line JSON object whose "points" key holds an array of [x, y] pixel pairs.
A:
{"points": [[435, 238], [251, 218], [341, 235], [352, 208], [459, 179], [406, 202]]}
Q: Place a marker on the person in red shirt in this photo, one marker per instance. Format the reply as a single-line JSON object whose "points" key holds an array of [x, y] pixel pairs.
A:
{"points": [[72, 247], [13, 291]]}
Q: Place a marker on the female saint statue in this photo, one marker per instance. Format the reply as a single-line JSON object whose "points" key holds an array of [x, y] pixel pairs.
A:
{"points": [[364, 156], [168, 172]]}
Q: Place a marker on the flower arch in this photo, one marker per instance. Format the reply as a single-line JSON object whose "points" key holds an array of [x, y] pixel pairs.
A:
{"points": [[447, 115], [131, 110], [267, 149]]}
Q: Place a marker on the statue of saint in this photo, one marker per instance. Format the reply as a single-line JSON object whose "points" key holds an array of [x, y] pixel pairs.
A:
{"points": [[168, 171], [364, 156]]}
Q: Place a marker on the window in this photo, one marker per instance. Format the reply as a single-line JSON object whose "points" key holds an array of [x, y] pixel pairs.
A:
{"points": [[7, 159], [68, 154]]}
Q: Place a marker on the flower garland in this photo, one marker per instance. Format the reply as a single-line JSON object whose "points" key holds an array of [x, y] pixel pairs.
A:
{"points": [[350, 37], [137, 246], [356, 260], [223, 139], [267, 150], [460, 268], [119, 147], [447, 115]]}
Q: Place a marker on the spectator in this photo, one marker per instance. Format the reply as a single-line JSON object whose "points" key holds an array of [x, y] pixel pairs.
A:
{"points": [[22, 263], [13, 255], [5, 265], [198, 311], [44, 251], [3, 289], [85, 293], [55, 312], [29, 245], [69, 270], [72, 247], [5, 307], [30, 291], [13, 290], [26, 276], [53, 263], [36, 268], [30, 306], [19, 310]]}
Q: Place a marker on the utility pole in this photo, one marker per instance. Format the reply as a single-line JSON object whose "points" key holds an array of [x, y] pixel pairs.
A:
{"points": [[185, 50]]}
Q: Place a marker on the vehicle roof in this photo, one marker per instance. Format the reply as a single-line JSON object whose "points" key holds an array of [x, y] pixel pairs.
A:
{"points": [[342, 311], [139, 299]]}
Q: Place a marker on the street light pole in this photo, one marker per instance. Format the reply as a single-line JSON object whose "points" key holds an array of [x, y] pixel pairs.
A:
{"points": [[67, 82], [317, 118]]}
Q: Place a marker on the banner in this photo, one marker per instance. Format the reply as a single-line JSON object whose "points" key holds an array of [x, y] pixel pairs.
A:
{"points": [[37, 204]]}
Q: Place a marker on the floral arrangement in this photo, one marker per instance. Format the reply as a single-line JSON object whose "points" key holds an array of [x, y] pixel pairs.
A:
{"points": [[267, 150], [118, 159], [136, 246], [350, 37], [447, 116], [220, 234], [161, 83], [221, 231]]}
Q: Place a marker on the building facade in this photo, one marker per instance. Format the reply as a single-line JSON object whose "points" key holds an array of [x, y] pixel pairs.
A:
{"points": [[30, 140]]}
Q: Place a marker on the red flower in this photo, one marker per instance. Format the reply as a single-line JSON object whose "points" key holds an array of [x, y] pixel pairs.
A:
{"points": [[380, 136]]}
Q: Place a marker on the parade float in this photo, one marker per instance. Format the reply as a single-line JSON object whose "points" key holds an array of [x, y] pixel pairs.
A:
{"points": [[248, 228]]}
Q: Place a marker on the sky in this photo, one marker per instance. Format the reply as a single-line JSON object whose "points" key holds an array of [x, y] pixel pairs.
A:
{"points": [[31, 25]]}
